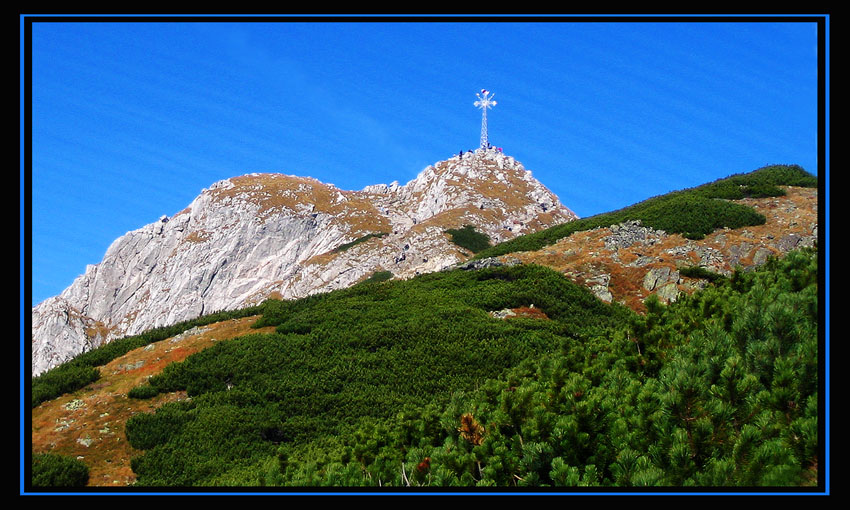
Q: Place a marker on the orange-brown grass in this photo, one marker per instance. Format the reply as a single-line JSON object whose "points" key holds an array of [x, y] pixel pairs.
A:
{"points": [[582, 257], [275, 192], [528, 313], [198, 236], [89, 423]]}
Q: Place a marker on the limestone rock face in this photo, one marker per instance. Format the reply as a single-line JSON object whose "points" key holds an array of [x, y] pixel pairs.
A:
{"points": [[257, 236]]}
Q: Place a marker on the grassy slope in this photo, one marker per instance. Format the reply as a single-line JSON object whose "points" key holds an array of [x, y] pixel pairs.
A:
{"points": [[693, 212], [88, 423], [83, 369]]}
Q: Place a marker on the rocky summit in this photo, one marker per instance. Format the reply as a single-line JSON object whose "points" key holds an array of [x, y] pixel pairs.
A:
{"points": [[249, 238]]}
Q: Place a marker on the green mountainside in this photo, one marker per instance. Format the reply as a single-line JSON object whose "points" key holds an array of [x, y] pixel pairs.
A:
{"points": [[693, 212], [419, 383]]}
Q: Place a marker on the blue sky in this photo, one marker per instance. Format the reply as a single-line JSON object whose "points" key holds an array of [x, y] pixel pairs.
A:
{"points": [[131, 120]]}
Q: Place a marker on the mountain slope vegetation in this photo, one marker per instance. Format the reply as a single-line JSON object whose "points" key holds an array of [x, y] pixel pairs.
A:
{"points": [[718, 390], [414, 383], [693, 212], [343, 359], [420, 383], [83, 370]]}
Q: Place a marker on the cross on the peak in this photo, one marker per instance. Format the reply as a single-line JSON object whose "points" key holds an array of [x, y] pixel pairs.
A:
{"points": [[485, 100]]}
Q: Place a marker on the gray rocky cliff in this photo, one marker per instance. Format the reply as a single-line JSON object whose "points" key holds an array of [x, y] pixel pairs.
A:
{"points": [[257, 236]]}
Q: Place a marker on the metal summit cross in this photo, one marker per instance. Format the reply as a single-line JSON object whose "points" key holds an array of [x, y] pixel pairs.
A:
{"points": [[485, 100]]}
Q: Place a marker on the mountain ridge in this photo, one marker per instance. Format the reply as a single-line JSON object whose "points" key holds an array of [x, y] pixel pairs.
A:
{"points": [[263, 235]]}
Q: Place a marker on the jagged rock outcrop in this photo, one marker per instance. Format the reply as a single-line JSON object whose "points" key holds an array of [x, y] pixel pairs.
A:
{"points": [[271, 235]]}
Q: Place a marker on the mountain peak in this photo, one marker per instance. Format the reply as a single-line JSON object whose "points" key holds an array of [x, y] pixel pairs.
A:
{"points": [[262, 235]]}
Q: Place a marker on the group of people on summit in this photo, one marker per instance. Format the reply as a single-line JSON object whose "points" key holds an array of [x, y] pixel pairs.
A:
{"points": [[489, 147]]}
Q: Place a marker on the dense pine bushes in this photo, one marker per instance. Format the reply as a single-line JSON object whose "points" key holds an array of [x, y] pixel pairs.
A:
{"points": [[469, 238], [413, 384], [350, 357], [62, 379], [719, 389], [58, 471]]}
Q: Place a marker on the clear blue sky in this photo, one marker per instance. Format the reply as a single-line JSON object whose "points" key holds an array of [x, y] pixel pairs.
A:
{"points": [[132, 120]]}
